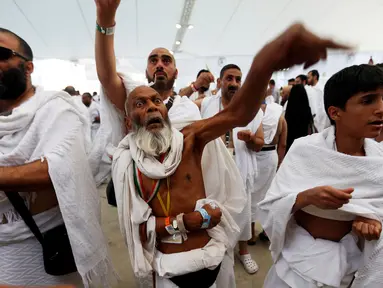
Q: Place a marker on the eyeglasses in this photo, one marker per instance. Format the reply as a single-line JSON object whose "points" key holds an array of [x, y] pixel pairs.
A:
{"points": [[6, 54]]}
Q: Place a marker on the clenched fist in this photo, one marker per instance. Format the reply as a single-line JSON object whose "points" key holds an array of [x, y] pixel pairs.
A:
{"points": [[368, 229], [215, 214], [244, 135], [106, 11], [204, 80]]}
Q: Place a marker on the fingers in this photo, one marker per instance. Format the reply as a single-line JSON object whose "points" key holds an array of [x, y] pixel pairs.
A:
{"points": [[330, 44], [341, 194]]}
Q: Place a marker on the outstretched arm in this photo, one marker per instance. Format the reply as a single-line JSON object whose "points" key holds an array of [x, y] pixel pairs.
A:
{"points": [[295, 46], [105, 57]]}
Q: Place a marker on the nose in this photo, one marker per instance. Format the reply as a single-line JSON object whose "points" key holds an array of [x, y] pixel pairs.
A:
{"points": [[152, 107], [379, 108]]}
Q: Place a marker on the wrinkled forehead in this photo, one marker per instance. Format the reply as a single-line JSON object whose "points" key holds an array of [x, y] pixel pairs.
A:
{"points": [[159, 52], [232, 72], [142, 92]]}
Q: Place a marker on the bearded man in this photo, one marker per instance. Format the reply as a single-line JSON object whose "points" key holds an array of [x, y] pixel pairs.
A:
{"points": [[172, 224]]}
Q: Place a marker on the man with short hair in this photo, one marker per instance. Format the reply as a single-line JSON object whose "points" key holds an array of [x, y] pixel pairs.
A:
{"points": [[285, 96], [242, 144], [291, 82], [200, 88], [270, 157], [325, 189], [313, 78], [43, 155], [274, 91], [301, 80], [161, 72], [161, 186], [94, 113]]}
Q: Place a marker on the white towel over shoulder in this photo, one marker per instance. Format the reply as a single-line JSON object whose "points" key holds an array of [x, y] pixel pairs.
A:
{"points": [[312, 161], [52, 125]]}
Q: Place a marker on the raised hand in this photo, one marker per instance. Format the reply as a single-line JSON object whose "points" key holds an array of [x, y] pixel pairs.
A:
{"points": [[297, 46], [204, 80], [106, 11], [244, 135], [368, 229], [326, 197]]}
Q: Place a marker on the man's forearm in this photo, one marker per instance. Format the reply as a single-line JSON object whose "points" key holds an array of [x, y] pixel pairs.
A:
{"points": [[192, 222], [187, 91], [255, 144], [30, 177], [248, 99], [105, 57]]}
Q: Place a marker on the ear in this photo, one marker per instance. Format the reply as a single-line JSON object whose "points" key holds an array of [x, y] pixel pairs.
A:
{"points": [[29, 68], [334, 113], [176, 74], [219, 83], [128, 123]]}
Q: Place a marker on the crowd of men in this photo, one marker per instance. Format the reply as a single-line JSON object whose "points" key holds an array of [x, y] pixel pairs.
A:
{"points": [[192, 172]]}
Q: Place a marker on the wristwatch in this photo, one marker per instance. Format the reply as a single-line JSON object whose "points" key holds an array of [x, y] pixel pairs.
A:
{"points": [[172, 228], [105, 30]]}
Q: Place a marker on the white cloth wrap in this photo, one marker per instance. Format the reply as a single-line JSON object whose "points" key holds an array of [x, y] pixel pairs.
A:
{"points": [[94, 111], [267, 163], [245, 159], [51, 125], [316, 102], [270, 121], [221, 180], [311, 162], [133, 211]]}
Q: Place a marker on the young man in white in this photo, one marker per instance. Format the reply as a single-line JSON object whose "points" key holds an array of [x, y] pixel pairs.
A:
{"points": [[326, 197]]}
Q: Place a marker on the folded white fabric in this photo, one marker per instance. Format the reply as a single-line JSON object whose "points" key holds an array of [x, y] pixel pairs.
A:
{"points": [[313, 161]]}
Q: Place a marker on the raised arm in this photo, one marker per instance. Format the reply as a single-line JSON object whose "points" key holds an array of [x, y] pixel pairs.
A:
{"points": [[295, 46], [203, 80], [105, 57]]}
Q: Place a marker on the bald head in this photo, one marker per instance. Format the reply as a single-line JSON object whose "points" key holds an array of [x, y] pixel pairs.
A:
{"points": [[70, 90], [161, 69], [162, 51], [286, 92]]}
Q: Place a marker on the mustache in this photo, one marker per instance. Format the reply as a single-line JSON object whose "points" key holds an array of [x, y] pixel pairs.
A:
{"points": [[232, 88]]}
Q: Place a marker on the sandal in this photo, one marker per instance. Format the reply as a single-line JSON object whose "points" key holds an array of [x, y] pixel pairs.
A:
{"points": [[248, 263]]}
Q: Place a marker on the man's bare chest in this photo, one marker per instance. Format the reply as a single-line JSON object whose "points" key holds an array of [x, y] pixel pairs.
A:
{"points": [[177, 193]]}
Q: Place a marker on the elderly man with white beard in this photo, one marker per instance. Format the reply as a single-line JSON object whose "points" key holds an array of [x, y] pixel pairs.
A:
{"points": [[174, 225]]}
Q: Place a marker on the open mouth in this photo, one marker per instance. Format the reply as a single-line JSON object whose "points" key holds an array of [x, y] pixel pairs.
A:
{"points": [[154, 122], [377, 123]]}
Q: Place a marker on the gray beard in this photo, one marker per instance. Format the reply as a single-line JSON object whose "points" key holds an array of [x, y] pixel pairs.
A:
{"points": [[153, 143]]}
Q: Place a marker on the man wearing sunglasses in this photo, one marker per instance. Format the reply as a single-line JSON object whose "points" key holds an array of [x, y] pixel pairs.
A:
{"points": [[43, 146]]}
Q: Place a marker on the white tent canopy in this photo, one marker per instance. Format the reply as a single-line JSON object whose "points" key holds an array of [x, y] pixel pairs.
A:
{"points": [[224, 31]]}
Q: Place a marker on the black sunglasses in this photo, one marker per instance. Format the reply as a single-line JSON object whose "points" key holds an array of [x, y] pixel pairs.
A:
{"points": [[6, 54]]}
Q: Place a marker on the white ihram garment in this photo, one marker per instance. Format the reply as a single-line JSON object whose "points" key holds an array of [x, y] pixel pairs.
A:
{"points": [[216, 164], [316, 102], [133, 211], [245, 159], [313, 161], [52, 125], [267, 161], [94, 112]]}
